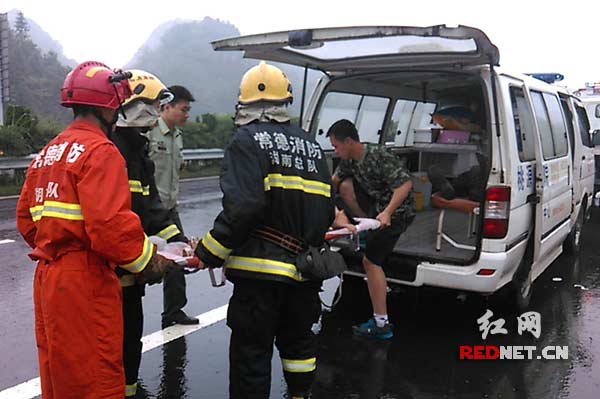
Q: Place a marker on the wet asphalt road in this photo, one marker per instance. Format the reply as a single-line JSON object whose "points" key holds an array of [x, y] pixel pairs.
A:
{"points": [[421, 361]]}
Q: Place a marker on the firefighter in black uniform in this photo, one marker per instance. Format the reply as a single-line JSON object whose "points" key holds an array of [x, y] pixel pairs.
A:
{"points": [[142, 112], [276, 200]]}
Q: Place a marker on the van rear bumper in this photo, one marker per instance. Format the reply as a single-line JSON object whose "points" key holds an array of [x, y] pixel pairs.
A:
{"points": [[465, 278]]}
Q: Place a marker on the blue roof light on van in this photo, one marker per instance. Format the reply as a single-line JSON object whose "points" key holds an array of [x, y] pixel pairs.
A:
{"points": [[547, 77]]}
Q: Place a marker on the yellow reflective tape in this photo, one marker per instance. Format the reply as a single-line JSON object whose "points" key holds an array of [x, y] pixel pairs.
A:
{"points": [[299, 366], [297, 183], [266, 266], [168, 232], [135, 186], [140, 263], [127, 280], [130, 390], [215, 247], [61, 215], [55, 209], [63, 205]]}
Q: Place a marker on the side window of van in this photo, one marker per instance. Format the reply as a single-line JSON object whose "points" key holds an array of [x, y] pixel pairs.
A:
{"points": [[543, 121], [523, 120], [559, 125], [407, 115], [366, 112], [564, 103], [371, 115], [584, 126]]}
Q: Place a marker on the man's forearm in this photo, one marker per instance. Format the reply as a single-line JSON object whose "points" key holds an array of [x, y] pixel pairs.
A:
{"points": [[398, 197]]}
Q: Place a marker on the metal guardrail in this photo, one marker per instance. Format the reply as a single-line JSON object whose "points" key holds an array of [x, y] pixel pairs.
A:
{"points": [[201, 154]]}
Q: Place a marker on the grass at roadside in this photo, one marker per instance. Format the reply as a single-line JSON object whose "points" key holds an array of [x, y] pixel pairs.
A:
{"points": [[9, 189], [205, 171]]}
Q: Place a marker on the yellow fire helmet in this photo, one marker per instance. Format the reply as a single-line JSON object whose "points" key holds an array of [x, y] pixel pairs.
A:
{"points": [[147, 88], [265, 83]]}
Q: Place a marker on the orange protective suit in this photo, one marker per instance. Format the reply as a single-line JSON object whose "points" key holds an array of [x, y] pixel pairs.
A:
{"points": [[74, 211]]}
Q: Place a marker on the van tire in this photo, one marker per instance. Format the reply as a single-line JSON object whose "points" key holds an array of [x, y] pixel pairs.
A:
{"points": [[520, 289], [572, 243]]}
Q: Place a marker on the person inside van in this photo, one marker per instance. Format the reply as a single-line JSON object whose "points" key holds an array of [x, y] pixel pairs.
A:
{"points": [[468, 185], [372, 182]]}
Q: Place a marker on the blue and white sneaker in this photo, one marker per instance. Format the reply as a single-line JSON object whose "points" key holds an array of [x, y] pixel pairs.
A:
{"points": [[369, 329]]}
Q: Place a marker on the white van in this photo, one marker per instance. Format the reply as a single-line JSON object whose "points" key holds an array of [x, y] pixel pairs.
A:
{"points": [[590, 99], [529, 141]]}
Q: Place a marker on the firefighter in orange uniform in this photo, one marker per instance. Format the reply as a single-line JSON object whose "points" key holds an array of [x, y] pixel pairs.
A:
{"points": [[75, 212]]}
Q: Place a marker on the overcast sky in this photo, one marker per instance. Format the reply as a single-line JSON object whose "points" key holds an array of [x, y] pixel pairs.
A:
{"points": [[532, 35]]}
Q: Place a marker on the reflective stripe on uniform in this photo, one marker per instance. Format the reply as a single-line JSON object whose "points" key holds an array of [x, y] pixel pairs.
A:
{"points": [[135, 186], [55, 209], [138, 265], [168, 232], [130, 390], [127, 280], [299, 366], [215, 247], [297, 183], [266, 266]]}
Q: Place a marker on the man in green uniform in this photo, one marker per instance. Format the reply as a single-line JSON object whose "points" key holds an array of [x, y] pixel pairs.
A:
{"points": [[373, 182], [165, 145]]}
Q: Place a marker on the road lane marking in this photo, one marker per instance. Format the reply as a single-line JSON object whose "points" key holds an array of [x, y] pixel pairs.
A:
{"points": [[176, 331], [7, 241], [30, 389]]}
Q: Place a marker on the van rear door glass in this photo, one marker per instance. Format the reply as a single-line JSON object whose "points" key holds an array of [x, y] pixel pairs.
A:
{"points": [[523, 122], [543, 121], [366, 112], [558, 124], [357, 48]]}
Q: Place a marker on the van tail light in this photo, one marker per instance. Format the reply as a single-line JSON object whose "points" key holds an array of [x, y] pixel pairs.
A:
{"points": [[497, 209]]}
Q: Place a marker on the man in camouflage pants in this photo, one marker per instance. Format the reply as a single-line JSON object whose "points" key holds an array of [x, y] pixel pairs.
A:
{"points": [[373, 182]]}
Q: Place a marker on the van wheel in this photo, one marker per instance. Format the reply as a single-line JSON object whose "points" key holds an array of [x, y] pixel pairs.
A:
{"points": [[516, 295], [572, 243], [521, 286]]}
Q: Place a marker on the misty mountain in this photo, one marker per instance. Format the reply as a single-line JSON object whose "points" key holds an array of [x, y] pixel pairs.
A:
{"points": [[42, 39], [181, 53], [153, 41]]}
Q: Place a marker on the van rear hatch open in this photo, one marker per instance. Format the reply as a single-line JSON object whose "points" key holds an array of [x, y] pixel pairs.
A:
{"points": [[368, 49]]}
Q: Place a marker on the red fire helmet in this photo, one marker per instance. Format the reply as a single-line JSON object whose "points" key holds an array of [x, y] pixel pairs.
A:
{"points": [[93, 83]]}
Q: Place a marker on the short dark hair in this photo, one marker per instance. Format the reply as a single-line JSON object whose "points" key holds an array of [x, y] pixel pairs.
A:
{"points": [[343, 129], [180, 93], [82, 110]]}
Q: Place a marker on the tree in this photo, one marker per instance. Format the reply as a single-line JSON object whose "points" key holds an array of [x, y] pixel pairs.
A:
{"points": [[12, 141], [21, 27], [214, 131], [35, 78], [24, 133]]}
